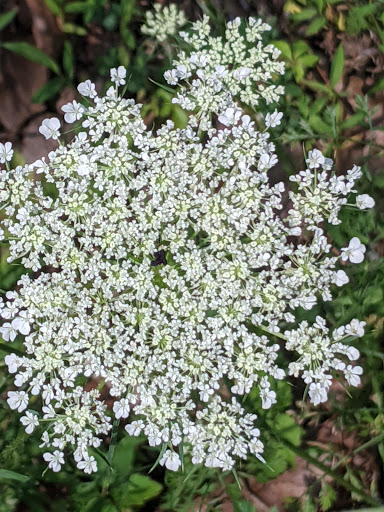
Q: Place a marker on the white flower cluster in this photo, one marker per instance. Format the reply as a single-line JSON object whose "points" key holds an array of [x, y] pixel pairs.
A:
{"points": [[163, 270], [163, 22], [218, 70]]}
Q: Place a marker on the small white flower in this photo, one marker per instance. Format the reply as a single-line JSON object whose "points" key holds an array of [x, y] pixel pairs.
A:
{"points": [[308, 302], [273, 120], [88, 465], [221, 71], [268, 398], [87, 89], [171, 76], [241, 73], [121, 408], [40, 166], [171, 460], [118, 75], [352, 373], [30, 421], [266, 162], [21, 324], [315, 159], [341, 278], [6, 152], [317, 393], [230, 116], [84, 167], [74, 111], [364, 201], [355, 328], [55, 459], [354, 252], [13, 362], [8, 332], [50, 128], [353, 354], [295, 231], [18, 400], [182, 72]]}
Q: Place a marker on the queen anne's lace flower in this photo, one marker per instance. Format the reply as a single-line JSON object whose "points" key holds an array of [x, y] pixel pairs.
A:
{"points": [[164, 21], [164, 269]]}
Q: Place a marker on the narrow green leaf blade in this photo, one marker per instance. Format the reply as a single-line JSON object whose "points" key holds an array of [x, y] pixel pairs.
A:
{"points": [[68, 59], [5, 474], [32, 53], [6, 18], [49, 89], [337, 66]]}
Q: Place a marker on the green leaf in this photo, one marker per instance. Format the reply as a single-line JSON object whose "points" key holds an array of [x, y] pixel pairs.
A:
{"points": [[308, 60], [374, 296], [287, 428], [379, 180], [285, 49], [6, 18], [11, 350], [76, 7], [127, 8], [357, 17], [32, 53], [379, 86], [68, 59], [298, 72], [243, 506], [317, 86], [162, 86], [71, 28], [315, 27], [300, 48], [337, 66], [304, 15], [353, 120], [5, 474], [320, 126], [49, 89], [327, 496], [54, 6], [318, 105], [136, 491]]}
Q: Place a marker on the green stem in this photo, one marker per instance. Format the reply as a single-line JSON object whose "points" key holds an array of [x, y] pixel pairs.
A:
{"points": [[372, 442], [113, 443]]}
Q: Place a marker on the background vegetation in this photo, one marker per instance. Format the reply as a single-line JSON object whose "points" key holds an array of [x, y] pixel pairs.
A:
{"points": [[325, 458]]}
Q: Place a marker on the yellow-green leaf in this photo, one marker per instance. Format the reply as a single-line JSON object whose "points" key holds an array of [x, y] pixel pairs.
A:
{"points": [[337, 66]]}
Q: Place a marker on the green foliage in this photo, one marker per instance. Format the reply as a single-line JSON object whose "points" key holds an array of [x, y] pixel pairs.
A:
{"points": [[337, 67], [298, 57], [32, 53], [6, 18], [5, 474]]}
